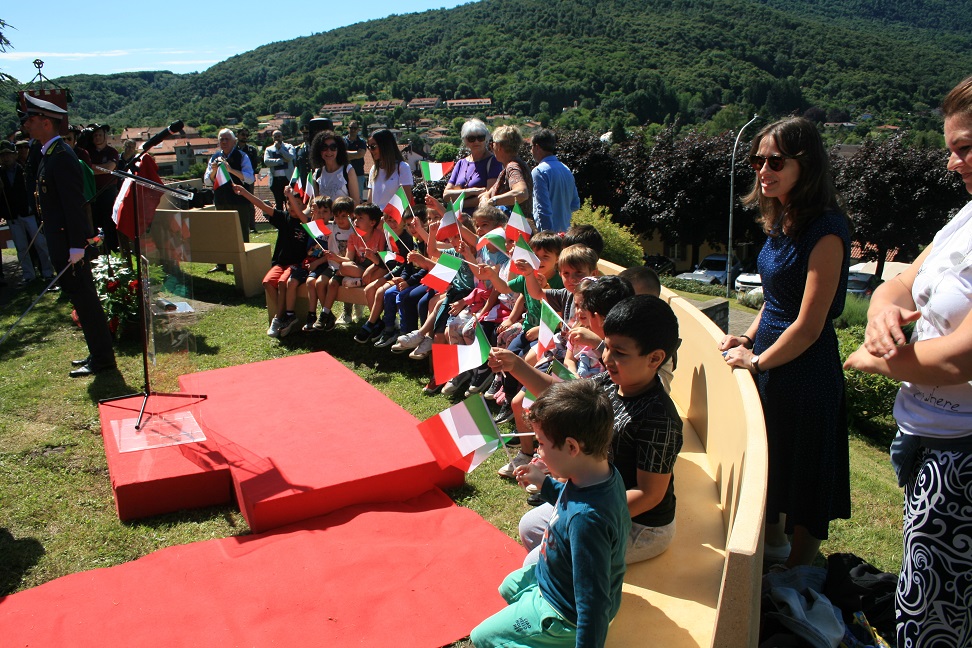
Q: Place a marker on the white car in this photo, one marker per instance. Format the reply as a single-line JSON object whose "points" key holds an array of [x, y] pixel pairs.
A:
{"points": [[748, 281]]}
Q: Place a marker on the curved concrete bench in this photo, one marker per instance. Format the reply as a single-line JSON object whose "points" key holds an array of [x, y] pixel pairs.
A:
{"points": [[704, 590]]}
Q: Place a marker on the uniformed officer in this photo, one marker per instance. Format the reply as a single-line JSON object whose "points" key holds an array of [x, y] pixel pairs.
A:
{"points": [[60, 203]]}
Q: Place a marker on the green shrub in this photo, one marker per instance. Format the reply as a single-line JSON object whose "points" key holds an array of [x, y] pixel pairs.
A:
{"points": [[870, 397], [444, 152], [855, 313], [697, 287], [751, 299], [621, 246]]}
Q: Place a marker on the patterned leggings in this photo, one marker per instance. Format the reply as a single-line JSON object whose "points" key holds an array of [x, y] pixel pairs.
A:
{"points": [[934, 597]]}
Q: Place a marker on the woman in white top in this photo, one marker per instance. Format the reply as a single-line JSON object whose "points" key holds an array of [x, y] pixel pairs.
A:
{"points": [[390, 170], [932, 453], [335, 175]]}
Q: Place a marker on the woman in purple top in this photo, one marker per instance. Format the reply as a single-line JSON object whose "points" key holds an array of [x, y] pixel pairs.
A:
{"points": [[476, 173]]}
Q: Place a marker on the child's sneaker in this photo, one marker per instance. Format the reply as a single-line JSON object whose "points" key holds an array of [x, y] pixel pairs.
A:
{"points": [[274, 330], [387, 339], [482, 378], [422, 351], [431, 389], [496, 385], [287, 325], [326, 322], [309, 326], [407, 341], [520, 459], [358, 311], [457, 383], [504, 415], [366, 333], [346, 318]]}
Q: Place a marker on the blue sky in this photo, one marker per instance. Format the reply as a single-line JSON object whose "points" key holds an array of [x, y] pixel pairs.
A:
{"points": [[107, 37]]}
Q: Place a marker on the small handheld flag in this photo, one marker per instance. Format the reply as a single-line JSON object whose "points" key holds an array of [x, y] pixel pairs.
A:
{"points": [[523, 251], [388, 257], [222, 176], [397, 205], [450, 360], [495, 237], [440, 277], [297, 184], [316, 229], [518, 225], [449, 225], [549, 323], [432, 171], [462, 436]]}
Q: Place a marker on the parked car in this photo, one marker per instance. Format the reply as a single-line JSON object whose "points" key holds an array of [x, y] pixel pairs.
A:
{"points": [[660, 264], [748, 281], [712, 270], [861, 284]]}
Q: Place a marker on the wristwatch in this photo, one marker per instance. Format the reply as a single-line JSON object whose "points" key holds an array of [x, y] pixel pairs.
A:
{"points": [[754, 361]]}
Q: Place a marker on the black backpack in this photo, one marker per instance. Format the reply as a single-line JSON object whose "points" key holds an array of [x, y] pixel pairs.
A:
{"points": [[855, 585]]}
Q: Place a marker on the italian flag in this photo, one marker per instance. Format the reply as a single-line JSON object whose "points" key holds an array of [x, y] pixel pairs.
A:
{"points": [[518, 225], [297, 185], [388, 257], [397, 205], [445, 270], [316, 229], [433, 171], [557, 370], [392, 237], [528, 399], [463, 435], [549, 323], [449, 225], [450, 360], [310, 187], [523, 251], [222, 176], [496, 237]]}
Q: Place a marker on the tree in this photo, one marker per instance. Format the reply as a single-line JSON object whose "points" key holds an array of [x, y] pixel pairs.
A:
{"points": [[680, 187], [598, 174], [444, 152], [897, 196]]}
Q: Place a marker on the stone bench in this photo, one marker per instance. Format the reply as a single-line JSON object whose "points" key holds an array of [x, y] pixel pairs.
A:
{"points": [[215, 237]]}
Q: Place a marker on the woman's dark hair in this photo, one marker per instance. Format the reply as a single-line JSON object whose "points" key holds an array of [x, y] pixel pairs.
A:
{"points": [[317, 148], [814, 191], [959, 100], [389, 155]]}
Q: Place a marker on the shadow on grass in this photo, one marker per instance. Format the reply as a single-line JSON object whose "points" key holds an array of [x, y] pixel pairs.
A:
{"points": [[17, 557], [228, 512], [876, 434]]}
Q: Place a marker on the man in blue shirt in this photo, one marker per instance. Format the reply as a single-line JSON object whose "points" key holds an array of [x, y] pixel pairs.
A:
{"points": [[555, 196]]}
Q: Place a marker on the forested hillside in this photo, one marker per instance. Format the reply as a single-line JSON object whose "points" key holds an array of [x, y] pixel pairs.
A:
{"points": [[644, 60]]}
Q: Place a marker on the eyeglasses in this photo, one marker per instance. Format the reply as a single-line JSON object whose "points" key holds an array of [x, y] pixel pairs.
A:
{"points": [[775, 162], [372, 147], [330, 147], [475, 138]]}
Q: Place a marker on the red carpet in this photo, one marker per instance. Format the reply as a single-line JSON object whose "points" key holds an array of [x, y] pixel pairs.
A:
{"points": [[302, 436], [418, 573]]}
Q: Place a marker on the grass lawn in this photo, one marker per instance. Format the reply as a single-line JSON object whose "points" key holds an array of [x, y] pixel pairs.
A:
{"points": [[56, 511]]}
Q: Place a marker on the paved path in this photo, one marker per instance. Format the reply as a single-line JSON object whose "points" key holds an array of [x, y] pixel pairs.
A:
{"points": [[739, 320]]}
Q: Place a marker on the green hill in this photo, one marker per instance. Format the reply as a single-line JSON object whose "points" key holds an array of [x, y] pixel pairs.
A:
{"points": [[648, 58]]}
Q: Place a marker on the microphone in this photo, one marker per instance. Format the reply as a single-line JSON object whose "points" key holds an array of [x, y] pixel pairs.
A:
{"points": [[156, 139]]}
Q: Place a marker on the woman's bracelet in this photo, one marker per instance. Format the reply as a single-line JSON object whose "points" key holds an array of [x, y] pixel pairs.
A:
{"points": [[750, 345]]}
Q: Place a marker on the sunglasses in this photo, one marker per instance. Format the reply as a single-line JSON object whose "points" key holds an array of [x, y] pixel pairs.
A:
{"points": [[775, 162], [330, 147], [475, 138], [372, 147]]}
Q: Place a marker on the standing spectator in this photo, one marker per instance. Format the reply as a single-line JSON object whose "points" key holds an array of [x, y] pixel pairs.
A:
{"points": [[335, 176], [104, 160], [241, 172], [125, 158], [555, 196], [23, 152], [60, 202], [356, 153], [390, 170], [303, 160], [279, 158], [243, 139], [932, 452], [514, 185], [791, 347], [13, 208]]}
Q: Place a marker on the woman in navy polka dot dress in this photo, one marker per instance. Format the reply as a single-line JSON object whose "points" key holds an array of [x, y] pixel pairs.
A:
{"points": [[791, 347]]}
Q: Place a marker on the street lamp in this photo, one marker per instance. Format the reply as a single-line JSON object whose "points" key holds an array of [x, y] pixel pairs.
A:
{"points": [[732, 201]]}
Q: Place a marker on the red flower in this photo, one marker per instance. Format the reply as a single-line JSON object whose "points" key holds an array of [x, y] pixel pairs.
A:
{"points": [[133, 285], [112, 286]]}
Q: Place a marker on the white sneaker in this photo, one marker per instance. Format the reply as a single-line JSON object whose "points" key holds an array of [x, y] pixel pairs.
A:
{"points": [[519, 460], [531, 489], [422, 351], [346, 317], [274, 330], [456, 383], [407, 341], [359, 311]]}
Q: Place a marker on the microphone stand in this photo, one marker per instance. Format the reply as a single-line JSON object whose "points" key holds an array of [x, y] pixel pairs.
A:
{"points": [[161, 188]]}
